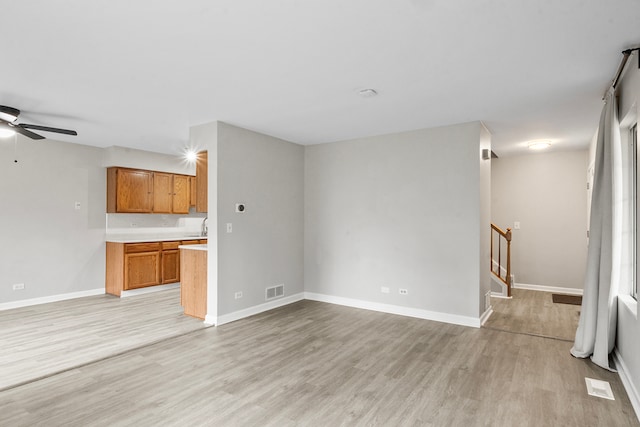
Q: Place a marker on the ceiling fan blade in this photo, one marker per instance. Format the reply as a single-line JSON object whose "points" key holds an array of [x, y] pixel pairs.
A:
{"points": [[48, 129], [25, 132], [8, 114]]}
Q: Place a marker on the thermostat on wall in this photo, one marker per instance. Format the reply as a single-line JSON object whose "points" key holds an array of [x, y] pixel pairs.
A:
{"points": [[240, 207]]}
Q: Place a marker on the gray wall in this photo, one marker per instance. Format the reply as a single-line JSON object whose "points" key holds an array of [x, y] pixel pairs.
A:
{"points": [[484, 189], [205, 137], [547, 194], [266, 246], [140, 159], [400, 211], [46, 243], [627, 343]]}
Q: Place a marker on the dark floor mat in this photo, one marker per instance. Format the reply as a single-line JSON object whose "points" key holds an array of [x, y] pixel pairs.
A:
{"points": [[567, 299]]}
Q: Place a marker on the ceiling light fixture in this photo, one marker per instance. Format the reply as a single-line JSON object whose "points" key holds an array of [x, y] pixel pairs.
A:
{"points": [[6, 132], [367, 93], [191, 156], [539, 145]]}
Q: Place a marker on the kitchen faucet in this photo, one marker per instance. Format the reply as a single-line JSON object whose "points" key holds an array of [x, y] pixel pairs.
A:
{"points": [[204, 230]]}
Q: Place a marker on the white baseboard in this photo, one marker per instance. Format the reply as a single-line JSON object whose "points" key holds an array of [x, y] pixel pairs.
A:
{"points": [[485, 316], [630, 388], [499, 295], [148, 290], [241, 314], [210, 320], [52, 298], [556, 289], [395, 309]]}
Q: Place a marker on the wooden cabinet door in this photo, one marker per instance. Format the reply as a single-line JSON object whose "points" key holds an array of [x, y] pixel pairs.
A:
{"points": [[171, 266], [202, 184], [162, 192], [192, 190], [181, 194], [141, 269], [133, 191]]}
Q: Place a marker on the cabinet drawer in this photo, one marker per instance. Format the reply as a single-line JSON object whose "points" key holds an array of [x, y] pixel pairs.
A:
{"points": [[141, 247], [191, 242], [170, 245]]}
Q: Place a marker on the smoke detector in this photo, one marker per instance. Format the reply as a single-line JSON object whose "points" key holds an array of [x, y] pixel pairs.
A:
{"points": [[367, 93]]}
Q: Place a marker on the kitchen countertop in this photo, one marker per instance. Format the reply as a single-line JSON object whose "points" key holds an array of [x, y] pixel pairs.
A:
{"points": [[151, 237], [202, 247]]}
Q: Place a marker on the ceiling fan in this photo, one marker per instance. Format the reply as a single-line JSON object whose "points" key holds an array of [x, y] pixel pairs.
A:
{"points": [[8, 116]]}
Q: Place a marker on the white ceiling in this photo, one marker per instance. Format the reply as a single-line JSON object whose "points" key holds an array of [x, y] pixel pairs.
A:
{"points": [[140, 73]]}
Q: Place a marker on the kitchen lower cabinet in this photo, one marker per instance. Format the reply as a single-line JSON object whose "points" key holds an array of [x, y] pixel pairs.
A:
{"points": [[141, 270], [139, 265], [170, 262]]}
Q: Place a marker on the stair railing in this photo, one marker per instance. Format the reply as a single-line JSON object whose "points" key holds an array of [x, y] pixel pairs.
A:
{"points": [[497, 267]]}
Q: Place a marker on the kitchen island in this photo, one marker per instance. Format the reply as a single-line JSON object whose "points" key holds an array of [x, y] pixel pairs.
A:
{"points": [[193, 280]]}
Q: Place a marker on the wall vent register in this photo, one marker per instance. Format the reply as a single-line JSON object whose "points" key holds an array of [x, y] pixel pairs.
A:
{"points": [[274, 292]]}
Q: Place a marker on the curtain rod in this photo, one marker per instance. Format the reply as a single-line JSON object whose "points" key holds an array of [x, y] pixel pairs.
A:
{"points": [[626, 54]]}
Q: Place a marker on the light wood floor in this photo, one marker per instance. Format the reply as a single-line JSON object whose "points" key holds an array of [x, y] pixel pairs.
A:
{"points": [[44, 339], [534, 312], [317, 364]]}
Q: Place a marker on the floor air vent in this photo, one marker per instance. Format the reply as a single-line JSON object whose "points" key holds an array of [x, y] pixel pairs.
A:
{"points": [[275, 292], [599, 388]]}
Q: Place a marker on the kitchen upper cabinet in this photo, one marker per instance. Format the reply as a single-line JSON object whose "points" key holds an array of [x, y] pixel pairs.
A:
{"points": [[192, 189], [142, 191], [162, 192], [129, 190], [181, 194], [202, 184]]}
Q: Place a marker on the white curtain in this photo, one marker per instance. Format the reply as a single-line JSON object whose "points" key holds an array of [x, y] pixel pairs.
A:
{"points": [[596, 331]]}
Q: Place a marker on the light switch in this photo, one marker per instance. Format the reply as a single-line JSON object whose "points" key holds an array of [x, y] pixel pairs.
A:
{"points": [[77, 205], [229, 227], [516, 225]]}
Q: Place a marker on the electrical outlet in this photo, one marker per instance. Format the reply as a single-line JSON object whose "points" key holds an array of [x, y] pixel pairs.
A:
{"points": [[77, 206], [384, 290], [403, 292], [18, 286], [229, 227], [516, 225], [238, 295]]}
